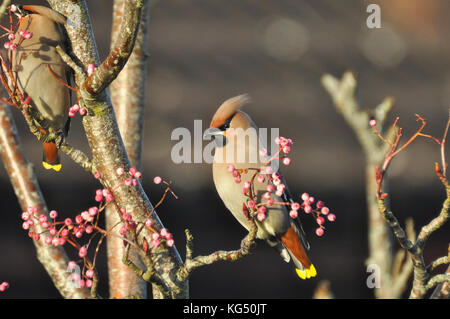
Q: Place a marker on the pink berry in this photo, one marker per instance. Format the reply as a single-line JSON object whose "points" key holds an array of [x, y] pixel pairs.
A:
{"points": [[319, 204], [89, 229], [156, 243], [325, 210], [286, 161], [261, 216], [71, 265], [295, 206], [148, 222], [93, 211], [25, 226], [36, 236], [320, 220], [13, 8], [311, 199], [90, 273], [286, 149], [120, 171], [251, 204], [28, 35], [75, 108], [267, 195], [48, 240], [82, 252], [13, 46], [270, 188], [230, 168], [307, 209], [11, 36], [81, 283], [170, 242], [157, 180], [270, 202], [277, 140], [247, 185], [132, 171], [6, 45], [293, 213], [260, 179], [237, 180], [68, 221], [164, 232], [262, 209], [89, 283], [53, 214], [138, 175], [319, 231], [305, 196], [155, 236], [25, 215], [373, 122], [90, 70], [83, 111], [331, 217], [263, 152]]}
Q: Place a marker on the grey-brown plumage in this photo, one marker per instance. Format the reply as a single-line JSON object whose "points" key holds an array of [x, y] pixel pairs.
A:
{"points": [[48, 94], [238, 144]]}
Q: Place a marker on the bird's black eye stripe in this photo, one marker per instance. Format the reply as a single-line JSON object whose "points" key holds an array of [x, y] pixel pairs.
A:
{"points": [[226, 125]]}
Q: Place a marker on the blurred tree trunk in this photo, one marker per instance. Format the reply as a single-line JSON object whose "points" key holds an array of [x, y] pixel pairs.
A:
{"points": [[128, 98]]}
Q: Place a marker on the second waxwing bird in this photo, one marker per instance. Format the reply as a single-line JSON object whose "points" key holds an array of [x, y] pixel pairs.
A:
{"points": [[41, 29], [278, 228]]}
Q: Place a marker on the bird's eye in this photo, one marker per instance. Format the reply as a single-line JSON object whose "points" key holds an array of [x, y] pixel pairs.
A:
{"points": [[226, 125]]}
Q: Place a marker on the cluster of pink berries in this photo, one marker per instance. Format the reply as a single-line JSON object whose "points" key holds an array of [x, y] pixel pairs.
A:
{"points": [[3, 286], [86, 279], [58, 237], [318, 212], [164, 234], [11, 37], [76, 108], [284, 145], [276, 187]]}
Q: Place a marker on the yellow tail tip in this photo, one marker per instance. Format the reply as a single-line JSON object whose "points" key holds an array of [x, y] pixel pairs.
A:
{"points": [[306, 273], [56, 167]]}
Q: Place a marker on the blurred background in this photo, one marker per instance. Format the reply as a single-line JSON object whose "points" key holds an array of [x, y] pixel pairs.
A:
{"points": [[205, 51]]}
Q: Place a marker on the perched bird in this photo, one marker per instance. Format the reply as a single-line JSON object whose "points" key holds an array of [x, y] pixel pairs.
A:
{"points": [[278, 229], [40, 30]]}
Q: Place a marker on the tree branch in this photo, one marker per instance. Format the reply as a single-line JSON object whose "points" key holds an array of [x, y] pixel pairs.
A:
{"points": [[28, 192]]}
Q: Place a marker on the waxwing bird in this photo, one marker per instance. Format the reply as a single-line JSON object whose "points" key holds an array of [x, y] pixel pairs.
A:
{"points": [[42, 72], [278, 229]]}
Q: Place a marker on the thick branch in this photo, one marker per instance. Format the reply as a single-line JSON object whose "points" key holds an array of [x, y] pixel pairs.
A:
{"points": [[121, 51], [342, 92], [107, 149], [128, 97]]}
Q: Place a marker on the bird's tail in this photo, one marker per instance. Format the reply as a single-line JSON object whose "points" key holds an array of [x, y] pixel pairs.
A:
{"points": [[304, 268], [50, 158]]}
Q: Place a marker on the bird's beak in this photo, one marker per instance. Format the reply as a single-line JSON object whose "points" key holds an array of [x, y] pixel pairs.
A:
{"points": [[212, 132]]}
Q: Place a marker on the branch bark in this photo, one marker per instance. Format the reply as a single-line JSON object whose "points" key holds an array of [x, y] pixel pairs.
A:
{"points": [[342, 92], [102, 132]]}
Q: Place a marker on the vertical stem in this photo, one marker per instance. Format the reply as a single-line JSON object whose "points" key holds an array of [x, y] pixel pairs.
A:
{"points": [[128, 98]]}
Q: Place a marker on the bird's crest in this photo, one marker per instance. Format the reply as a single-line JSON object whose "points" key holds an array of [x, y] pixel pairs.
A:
{"points": [[228, 109]]}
